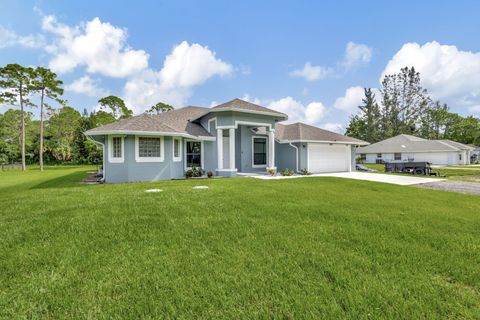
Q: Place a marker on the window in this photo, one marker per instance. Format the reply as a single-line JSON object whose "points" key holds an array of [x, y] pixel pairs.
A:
{"points": [[379, 155], [194, 154], [460, 156], [148, 149], [259, 151], [397, 156], [177, 151], [115, 149]]}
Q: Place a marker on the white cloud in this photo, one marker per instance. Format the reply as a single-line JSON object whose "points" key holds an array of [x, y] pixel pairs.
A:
{"points": [[448, 73], [297, 112], [97, 45], [351, 100], [356, 54], [310, 72], [9, 38], [335, 127], [86, 85], [475, 110], [184, 68]]}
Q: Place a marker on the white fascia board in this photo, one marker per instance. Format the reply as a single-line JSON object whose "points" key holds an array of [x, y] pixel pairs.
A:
{"points": [[149, 133], [266, 113], [326, 142]]}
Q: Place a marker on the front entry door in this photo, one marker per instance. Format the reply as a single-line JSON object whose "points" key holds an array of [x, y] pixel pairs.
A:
{"points": [[226, 152]]}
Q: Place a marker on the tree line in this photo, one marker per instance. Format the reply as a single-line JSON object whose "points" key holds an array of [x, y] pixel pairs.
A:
{"points": [[405, 107], [57, 137]]}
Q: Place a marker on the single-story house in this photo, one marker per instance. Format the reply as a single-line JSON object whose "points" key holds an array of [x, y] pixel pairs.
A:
{"points": [[236, 136], [405, 147]]}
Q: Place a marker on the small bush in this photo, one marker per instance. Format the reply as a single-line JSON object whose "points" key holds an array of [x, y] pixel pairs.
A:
{"points": [[194, 172], [209, 174], [287, 172], [305, 172]]}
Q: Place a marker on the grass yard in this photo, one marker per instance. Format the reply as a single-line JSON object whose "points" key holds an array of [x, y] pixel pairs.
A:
{"points": [[318, 248]]}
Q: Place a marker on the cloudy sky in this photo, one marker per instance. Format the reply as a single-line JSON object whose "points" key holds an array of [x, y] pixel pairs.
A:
{"points": [[308, 59]]}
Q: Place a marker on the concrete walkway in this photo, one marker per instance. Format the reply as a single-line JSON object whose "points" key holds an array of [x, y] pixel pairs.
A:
{"points": [[403, 180]]}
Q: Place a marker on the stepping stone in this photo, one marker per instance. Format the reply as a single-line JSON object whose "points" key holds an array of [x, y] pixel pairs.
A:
{"points": [[153, 190], [200, 187]]}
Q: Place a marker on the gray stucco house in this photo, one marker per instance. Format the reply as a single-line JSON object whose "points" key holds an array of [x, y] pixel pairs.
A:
{"points": [[405, 147], [236, 136]]}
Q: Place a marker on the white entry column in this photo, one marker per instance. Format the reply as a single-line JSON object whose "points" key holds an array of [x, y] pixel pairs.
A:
{"points": [[219, 149], [231, 135], [271, 149]]}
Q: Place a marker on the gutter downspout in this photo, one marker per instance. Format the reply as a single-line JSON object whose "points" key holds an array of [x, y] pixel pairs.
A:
{"points": [[103, 155], [296, 155]]}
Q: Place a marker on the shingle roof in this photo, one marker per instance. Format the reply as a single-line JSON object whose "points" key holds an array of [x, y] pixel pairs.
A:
{"points": [[242, 105], [304, 132], [408, 143], [176, 121]]}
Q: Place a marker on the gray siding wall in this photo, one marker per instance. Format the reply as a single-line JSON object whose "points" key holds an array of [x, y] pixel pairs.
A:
{"points": [[132, 171], [246, 157], [286, 156]]}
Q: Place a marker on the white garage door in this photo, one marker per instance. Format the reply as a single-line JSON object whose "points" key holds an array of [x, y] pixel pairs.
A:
{"points": [[328, 158]]}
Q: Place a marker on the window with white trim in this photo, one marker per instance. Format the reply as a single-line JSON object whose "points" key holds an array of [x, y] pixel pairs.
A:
{"points": [[194, 154], [397, 156], [379, 155], [117, 147], [177, 150], [149, 147], [259, 151]]}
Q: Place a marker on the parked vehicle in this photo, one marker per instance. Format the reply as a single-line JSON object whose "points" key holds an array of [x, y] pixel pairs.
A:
{"points": [[411, 167]]}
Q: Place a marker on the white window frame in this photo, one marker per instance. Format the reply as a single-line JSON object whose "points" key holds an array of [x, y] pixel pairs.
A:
{"points": [[395, 155], [111, 158], [179, 158], [266, 152], [201, 153], [149, 159], [379, 155], [209, 126]]}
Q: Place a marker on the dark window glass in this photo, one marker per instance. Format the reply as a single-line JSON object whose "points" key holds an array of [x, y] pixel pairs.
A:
{"points": [[379, 155], [194, 154], [397, 156], [259, 151]]}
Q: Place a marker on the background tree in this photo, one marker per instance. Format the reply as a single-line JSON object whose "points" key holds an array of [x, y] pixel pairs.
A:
{"points": [[63, 130], [17, 79], [46, 83], [116, 106], [159, 108]]}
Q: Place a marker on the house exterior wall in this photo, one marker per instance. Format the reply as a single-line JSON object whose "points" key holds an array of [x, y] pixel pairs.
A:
{"points": [[132, 171], [437, 158], [246, 156], [285, 157]]}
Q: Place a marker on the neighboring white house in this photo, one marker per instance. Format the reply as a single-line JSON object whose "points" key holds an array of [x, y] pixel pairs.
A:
{"points": [[410, 148]]}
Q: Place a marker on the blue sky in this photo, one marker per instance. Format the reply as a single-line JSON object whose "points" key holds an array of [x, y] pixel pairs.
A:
{"points": [[309, 59]]}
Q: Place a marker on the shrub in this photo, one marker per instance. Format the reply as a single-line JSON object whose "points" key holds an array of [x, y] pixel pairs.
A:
{"points": [[194, 172], [271, 171], [287, 172], [209, 174], [305, 172]]}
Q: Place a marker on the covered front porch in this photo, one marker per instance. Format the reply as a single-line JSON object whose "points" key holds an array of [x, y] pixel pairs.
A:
{"points": [[245, 148]]}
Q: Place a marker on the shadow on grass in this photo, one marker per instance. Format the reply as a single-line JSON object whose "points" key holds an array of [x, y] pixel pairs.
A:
{"points": [[73, 179]]}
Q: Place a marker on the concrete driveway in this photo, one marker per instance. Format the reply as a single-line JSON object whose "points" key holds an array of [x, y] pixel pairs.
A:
{"points": [[403, 180]]}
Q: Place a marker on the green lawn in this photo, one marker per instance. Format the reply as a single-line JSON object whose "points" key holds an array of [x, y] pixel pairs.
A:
{"points": [[318, 248]]}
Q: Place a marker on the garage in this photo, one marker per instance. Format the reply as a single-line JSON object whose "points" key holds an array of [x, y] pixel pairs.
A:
{"points": [[324, 157]]}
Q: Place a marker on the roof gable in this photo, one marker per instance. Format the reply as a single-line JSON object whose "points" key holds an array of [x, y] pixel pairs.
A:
{"points": [[408, 143], [245, 106]]}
